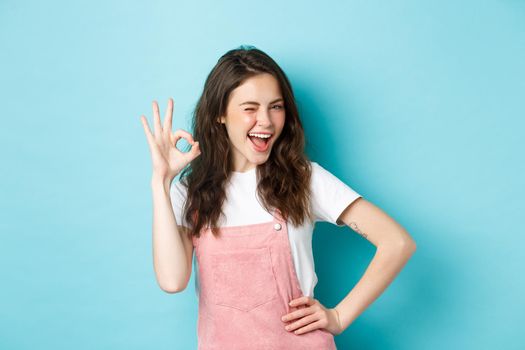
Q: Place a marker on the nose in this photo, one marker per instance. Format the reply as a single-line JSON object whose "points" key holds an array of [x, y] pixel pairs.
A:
{"points": [[263, 118]]}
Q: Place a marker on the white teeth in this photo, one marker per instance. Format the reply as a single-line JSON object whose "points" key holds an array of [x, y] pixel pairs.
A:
{"points": [[263, 136]]}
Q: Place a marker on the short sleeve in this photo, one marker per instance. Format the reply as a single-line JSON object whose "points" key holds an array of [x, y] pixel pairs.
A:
{"points": [[330, 195], [178, 194]]}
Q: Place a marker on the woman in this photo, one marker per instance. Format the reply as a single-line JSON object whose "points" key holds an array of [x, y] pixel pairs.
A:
{"points": [[246, 203]]}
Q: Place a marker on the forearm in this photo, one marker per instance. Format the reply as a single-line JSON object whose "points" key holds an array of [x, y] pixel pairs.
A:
{"points": [[169, 257], [386, 264]]}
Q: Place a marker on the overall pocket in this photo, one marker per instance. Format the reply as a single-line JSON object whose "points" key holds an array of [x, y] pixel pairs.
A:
{"points": [[244, 278]]}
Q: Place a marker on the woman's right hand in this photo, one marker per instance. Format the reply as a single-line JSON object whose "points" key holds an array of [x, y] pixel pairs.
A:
{"points": [[167, 159]]}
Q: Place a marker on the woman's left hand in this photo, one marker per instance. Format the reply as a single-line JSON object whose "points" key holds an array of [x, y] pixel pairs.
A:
{"points": [[312, 316]]}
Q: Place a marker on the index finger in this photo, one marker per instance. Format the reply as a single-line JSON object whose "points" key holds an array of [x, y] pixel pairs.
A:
{"points": [[180, 133]]}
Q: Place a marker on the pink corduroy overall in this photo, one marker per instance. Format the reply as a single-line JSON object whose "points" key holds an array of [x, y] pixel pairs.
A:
{"points": [[246, 280]]}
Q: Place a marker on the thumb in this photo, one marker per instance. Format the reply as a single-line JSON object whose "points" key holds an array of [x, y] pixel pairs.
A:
{"points": [[197, 146], [195, 149]]}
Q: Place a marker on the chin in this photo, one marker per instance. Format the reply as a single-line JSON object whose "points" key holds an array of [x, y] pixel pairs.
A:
{"points": [[258, 160]]}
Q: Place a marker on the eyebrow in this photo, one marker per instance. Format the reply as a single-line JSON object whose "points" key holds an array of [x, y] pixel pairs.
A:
{"points": [[257, 103]]}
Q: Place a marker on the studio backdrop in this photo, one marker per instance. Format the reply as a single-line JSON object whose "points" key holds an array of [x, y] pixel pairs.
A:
{"points": [[417, 105]]}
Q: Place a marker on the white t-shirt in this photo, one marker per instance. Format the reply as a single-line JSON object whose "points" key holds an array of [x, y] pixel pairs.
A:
{"points": [[330, 196]]}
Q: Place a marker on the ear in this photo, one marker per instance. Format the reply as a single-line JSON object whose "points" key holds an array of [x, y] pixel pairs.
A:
{"points": [[221, 120]]}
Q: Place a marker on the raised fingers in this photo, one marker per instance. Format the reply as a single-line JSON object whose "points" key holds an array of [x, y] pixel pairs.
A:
{"points": [[147, 130], [156, 121], [168, 117]]}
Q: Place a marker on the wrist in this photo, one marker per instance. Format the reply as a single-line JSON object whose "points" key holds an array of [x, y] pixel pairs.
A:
{"points": [[161, 181]]}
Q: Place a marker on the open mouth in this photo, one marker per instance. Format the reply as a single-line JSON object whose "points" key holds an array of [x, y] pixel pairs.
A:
{"points": [[260, 142]]}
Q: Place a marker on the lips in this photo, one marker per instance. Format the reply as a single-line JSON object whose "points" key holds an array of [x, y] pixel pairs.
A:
{"points": [[259, 148]]}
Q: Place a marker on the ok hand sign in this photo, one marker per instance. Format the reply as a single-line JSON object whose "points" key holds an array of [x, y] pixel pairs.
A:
{"points": [[168, 161]]}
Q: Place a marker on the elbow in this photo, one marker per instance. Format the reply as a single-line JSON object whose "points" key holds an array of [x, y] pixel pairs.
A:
{"points": [[172, 288], [171, 282], [406, 243], [405, 246], [408, 246]]}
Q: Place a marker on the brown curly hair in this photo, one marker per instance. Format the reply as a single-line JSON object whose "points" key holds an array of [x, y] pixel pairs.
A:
{"points": [[283, 181]]}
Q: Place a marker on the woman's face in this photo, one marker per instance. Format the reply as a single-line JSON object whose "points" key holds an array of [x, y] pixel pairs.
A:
{"points": [[256, 106]]}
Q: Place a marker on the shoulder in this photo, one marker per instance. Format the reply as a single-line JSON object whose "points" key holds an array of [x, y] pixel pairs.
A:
{"points": [[330, 195], [322, 178], [319, 173]]}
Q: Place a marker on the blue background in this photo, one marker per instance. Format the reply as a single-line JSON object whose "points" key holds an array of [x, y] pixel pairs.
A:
{"points": [[417, 105]]}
